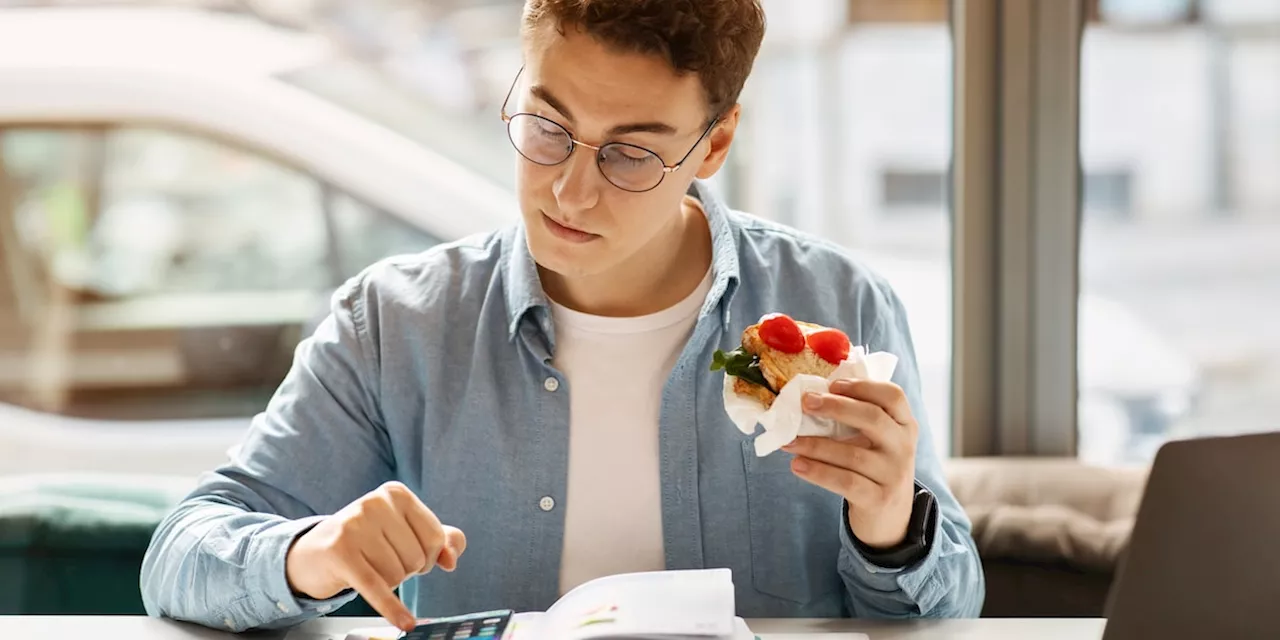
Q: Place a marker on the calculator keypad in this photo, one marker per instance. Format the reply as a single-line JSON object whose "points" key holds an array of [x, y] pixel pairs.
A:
{"points": [[488, 625]]}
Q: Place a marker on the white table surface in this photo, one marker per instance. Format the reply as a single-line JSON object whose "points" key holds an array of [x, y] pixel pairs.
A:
{"points": [[142, 628]]}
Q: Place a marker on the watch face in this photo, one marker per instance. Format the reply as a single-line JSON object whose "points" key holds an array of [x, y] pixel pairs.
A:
{"points": [[923, 519]]}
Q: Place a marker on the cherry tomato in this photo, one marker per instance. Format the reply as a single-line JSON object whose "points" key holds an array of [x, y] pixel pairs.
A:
{"points": [[782, 333], [831, 345]]}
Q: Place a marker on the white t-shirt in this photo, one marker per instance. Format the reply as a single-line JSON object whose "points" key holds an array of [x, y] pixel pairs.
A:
{"points": [[616, 369]]}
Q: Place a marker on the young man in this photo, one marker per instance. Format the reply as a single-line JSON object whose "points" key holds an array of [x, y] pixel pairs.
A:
{"points": [[546, 389]]}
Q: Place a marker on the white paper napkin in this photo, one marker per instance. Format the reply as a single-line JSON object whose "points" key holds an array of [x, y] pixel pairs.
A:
{"points": [[786, 420]]}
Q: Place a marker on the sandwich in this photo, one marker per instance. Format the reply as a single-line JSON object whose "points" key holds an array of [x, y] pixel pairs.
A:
{"points": [[777, 349]]}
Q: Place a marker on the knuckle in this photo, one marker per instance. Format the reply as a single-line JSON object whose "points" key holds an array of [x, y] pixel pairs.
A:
{"points": [[897, 393], [858, 388], [433, 539], [417, 560], [857, 456], [349, 529], [395, 490], [870, 414], [390, 574], [886, 420], [400, 575], [369, 516], [372, 503]]}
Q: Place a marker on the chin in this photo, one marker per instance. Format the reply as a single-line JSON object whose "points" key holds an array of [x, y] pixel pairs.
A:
{"points": [[565, 258]]}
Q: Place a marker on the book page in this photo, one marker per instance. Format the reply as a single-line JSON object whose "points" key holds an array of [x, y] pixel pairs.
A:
{"points": [[665, 603], [671, 604]]}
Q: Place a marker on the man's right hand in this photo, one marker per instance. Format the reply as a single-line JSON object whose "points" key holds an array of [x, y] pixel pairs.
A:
{"points": [[372, 545]]}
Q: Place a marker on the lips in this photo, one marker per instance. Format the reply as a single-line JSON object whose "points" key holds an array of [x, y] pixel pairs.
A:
{"points": [[566, 232], [569, 226]]}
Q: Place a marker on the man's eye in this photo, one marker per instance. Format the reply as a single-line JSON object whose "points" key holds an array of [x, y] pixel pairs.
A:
{"points": [[629, 155], [633, 161]]}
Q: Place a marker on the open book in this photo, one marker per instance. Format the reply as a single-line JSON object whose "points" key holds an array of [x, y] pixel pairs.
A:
{"points": [[661, 605]]}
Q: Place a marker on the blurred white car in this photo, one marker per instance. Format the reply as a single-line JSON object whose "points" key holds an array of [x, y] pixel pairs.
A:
{"points": [[174, 211], [179, 209]]}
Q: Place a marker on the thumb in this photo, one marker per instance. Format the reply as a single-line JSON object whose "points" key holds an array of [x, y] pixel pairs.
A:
{"points": [[455, 542]]}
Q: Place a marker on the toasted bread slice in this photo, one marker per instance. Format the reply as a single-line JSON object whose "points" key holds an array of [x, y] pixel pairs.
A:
{"points": [[751, 389], [778, 367]]}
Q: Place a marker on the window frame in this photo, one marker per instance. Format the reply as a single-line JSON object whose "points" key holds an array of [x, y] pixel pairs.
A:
{"points": [[1016, 199]]}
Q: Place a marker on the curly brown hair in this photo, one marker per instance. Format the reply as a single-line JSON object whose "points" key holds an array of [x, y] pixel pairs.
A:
{"points": [[716, 39]]}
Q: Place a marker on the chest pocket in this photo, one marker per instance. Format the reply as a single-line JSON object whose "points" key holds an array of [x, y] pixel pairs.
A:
{"points": [[795, 535]]}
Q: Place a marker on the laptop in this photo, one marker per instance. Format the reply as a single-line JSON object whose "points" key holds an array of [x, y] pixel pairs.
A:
{"points": [[1203, 560]]}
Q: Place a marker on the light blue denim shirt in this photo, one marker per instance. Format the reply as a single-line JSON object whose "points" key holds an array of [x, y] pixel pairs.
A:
{"points": [[435, 370]]}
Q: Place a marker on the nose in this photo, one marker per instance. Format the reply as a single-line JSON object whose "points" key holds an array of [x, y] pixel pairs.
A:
{"points": [[577, 188]]}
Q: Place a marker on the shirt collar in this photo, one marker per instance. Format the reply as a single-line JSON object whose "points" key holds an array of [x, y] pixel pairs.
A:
{"points": [[524, 291]]}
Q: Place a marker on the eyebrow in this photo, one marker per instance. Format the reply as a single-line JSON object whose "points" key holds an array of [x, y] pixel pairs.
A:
{"points": [[540, 92]]}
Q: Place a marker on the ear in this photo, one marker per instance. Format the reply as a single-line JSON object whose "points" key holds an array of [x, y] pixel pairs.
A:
{"points": [[721, 138]]}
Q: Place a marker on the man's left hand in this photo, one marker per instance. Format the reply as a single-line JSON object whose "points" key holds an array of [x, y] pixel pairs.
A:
{"points": [[874, 471]]}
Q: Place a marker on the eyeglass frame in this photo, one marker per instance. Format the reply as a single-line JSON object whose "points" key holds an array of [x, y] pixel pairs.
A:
{"points": [[574, 143]]}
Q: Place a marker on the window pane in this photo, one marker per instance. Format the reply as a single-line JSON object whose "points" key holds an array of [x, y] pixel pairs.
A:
{"points": [[46, 191], [217, 219], [47, 217], [1179, 260], [365, 235], [846, 134], [150, 274]]}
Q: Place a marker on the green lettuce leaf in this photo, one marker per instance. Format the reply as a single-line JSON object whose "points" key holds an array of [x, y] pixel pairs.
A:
{"points": [[740, 364]]}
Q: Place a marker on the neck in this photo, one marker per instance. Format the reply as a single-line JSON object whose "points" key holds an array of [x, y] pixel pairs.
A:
{"points": [[654, 279]]}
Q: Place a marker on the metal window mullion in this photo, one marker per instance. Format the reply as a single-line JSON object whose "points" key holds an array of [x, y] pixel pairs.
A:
{"points": [[1016, 234], [1055, 228], [1038, 226], [1014, 299], [974, 180]]}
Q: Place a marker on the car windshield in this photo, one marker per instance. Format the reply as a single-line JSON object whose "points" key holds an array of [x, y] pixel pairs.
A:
{"points": [[472, 137]]}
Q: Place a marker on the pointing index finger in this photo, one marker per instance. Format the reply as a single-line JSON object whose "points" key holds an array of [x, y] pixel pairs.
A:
{"points": [[366, 581]]}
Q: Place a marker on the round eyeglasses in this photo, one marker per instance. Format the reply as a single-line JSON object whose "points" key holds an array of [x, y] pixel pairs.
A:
{"points": [[626, 166]]}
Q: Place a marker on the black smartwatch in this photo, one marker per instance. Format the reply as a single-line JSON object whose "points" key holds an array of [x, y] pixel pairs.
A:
{"points": [[915, 546]]}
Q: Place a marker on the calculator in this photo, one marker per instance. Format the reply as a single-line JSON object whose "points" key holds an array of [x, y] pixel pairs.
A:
{"points": [[483, 625]]}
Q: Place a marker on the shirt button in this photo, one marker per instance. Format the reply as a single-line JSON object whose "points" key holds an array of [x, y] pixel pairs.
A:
{"points": [[546, 503], [281, 607], [230, 625], [551, 384], [324, 608]]}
